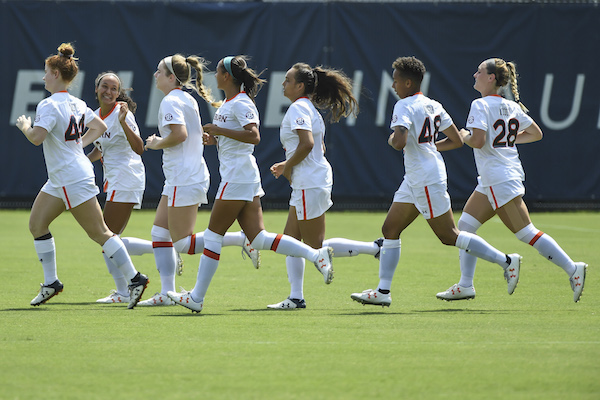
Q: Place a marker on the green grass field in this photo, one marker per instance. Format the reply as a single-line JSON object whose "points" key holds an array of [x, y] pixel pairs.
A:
{"points": [[535, 344]]}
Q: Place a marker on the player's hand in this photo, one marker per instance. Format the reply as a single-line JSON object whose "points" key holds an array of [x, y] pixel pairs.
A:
{"points": [[464, 133], [208, 139], [152, 142], [123, 111], [210, 129], [23, 123]]}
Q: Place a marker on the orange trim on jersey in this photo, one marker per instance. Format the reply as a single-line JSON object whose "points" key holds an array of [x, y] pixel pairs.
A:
{"points": [[105, 185], [494, 95], [429, 202], [174, 193], [62, 91], [223, 191], [211, 254], [536, 237], [156, 245], [304, 204], [110, 112], [234, 96], [494, 197], [67, 197], [192, 249], [276, 242], [112, 197]]}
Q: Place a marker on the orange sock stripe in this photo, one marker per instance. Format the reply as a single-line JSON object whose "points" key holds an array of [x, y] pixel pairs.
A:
{"points": [[276, 242], [161, 244], [211, 254], [192, 249], [536, 237]]}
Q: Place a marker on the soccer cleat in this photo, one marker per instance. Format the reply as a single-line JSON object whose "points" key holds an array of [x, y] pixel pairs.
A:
{"points": [[578, 280], [136, 289], [114, 297], [179, 266], [456, 292], [47, 292], [324, 263], [511, 273], [289, 304], [157, 300], [248, 250], [379, 243], [185, 299], [373, 297]]}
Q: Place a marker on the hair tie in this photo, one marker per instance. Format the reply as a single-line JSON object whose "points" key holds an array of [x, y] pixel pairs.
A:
{"points": [[227, 64], [64, 55]]}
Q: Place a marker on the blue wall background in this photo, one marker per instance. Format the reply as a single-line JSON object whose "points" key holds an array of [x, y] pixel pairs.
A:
{"points": [[555, 48]]}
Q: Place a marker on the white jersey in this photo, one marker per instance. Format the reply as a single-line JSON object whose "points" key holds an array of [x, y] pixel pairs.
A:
{"points": [[424, 118], [236, 162], [314, 171], [64, 116], [184, 163], [122, 167], [498, 160]]}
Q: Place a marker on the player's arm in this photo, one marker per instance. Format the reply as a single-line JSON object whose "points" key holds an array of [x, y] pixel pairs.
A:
{"points": [[96, 128], [135, 141], [398, 137], [178, 135], [35, 134], [474, 138], [531, 134], [453, 139], [95, 154], [250, 134]]}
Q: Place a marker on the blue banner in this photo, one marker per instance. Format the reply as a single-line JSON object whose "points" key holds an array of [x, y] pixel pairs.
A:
{"points": [[554, 47]]}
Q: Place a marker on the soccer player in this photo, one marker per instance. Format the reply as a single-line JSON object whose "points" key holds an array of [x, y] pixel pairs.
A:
{"points": [[59, 122], [416, 122], [235, 131], [494, 127]]}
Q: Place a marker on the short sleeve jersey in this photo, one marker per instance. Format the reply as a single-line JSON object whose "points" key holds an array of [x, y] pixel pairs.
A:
{"points": [[123, 168], [314, 171], [236, 162], [498, 160], [184, 163], [64, 117], [423, 118]]}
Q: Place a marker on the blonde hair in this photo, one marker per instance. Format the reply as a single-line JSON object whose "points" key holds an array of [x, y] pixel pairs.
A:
{"points": [[64, 62], [182, 69], [506, 73]]}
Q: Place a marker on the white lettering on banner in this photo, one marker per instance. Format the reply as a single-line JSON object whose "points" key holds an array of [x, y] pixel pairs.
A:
{"points": [[575, 106], [357, 80], [277, 103]]}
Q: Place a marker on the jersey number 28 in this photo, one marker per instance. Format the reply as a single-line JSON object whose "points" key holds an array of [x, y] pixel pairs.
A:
{"points": [[504, 138], [75, 129]]}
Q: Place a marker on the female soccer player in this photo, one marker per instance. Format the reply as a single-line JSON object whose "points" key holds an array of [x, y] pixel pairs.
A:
{"points": [[302, 135], [59, 122], [416, 122], [186, 174], [235, 132], [494, 127]]}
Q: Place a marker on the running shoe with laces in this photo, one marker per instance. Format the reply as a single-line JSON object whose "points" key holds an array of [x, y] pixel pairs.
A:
{"points": [[248, 250], [456, 292], [179, 265], [185, 299], [47, 292], [511, 273], [577, 280], [289, 304], [379, 243], [136, 289], [114, 297], [324, 263], [157, 300], [372, 297]]}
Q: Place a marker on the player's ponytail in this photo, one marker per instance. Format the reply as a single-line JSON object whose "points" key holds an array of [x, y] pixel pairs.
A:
{"points": [[243, 76], [514, 88], [64, 62], [506, 74]]}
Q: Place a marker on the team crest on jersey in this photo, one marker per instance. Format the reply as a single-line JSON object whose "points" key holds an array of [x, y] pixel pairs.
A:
{"points": [[300, 121], [471, 119], [249, 115], [168, 117], [37, 118], [429, 109], [394, 118]]}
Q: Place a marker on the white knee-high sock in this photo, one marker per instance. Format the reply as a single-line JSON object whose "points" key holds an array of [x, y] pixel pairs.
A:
{"points": [[478, 247], [468, 262], [119, 278], [165, 258], [350, 248], [284, 244], [547, 247], [193, 244], [117, 253], [234, 239], [209, 262], [388, 261], [295, 272], [46, 252], [136, 246]]}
